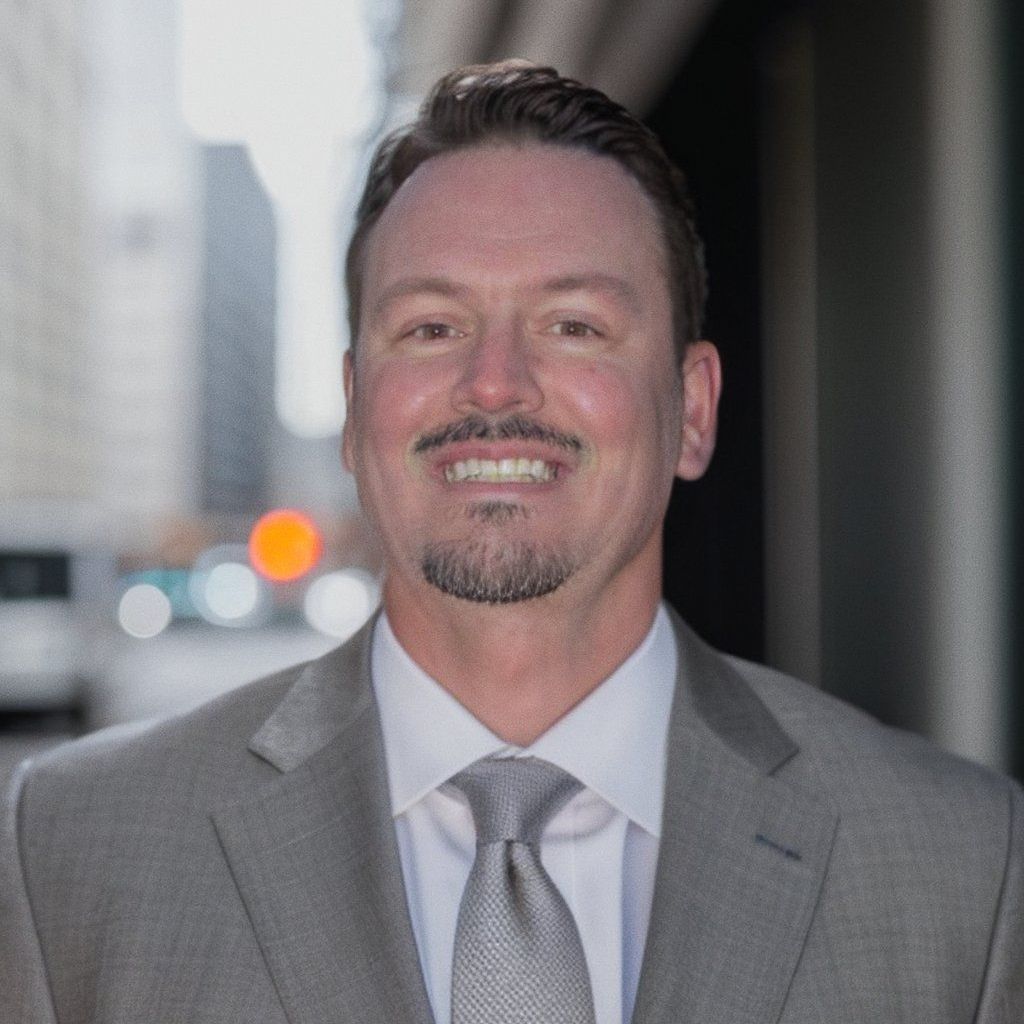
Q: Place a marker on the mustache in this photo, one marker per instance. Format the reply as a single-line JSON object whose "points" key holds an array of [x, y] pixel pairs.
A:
{"points": [[511, 428]]}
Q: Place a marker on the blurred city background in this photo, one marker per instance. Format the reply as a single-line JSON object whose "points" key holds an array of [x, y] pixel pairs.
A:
{"points": [[177, 179]]}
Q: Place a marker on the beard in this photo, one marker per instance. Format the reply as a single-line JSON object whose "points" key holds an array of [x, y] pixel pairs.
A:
{"points": [[494, 572], [518, 572]]}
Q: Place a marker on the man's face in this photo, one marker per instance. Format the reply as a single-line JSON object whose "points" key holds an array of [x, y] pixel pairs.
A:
{"points": [[515, 407]]}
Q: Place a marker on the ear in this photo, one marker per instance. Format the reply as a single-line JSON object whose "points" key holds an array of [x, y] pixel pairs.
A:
{"points": [[702, 386], [347, 438]]}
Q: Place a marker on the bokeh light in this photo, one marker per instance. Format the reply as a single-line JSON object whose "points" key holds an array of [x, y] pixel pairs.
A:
{"points": [[173, 583], [338, 603], [144, 611], [284, 545], [224, 589], [231, 591]]}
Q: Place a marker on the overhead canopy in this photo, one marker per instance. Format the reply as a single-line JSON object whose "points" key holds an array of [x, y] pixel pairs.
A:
{"points": [[628, 50]]}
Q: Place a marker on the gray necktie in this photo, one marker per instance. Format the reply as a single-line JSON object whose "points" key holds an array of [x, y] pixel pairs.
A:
{"points": [[518, 956]]}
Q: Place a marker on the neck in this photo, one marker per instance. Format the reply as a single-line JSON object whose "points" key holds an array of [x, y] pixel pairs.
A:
{"points": [[519, 668]]}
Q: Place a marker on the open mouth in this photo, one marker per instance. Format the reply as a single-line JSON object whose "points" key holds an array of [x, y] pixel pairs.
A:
{"points": [[512, 470]]}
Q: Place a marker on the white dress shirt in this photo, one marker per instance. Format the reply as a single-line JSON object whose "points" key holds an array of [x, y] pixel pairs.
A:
{"points": [[600, 849]]}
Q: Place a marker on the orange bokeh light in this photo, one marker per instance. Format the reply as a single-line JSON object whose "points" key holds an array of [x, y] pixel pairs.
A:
{"points": [[284, 545]]}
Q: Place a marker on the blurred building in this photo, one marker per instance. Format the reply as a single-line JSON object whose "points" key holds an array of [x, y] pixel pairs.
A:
{"points": [[49, 467], [144, 341], [184, 332], [237, 332], [45, 284]]}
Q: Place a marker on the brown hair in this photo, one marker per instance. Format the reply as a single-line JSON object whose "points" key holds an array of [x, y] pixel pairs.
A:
{"points": [[516, 101]]}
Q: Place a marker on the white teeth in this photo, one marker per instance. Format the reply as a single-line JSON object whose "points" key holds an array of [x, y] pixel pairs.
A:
{"points": [[519, 470]]}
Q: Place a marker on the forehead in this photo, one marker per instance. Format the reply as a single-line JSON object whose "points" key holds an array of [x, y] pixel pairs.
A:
{"points": [[513, 208]]}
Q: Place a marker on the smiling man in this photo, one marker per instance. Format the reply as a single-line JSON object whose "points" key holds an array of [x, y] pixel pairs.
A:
{"points": [[525, 793], [519, 408]]}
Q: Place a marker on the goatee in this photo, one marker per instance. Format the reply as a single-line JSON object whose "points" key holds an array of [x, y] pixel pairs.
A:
{"points": [[480, 572]]}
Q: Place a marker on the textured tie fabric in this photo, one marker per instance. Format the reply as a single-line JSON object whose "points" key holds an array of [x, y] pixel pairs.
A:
{"points": [[518, 956]]}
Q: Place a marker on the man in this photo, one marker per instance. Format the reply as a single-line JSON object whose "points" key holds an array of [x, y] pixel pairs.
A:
{"points": [[722, 844]]}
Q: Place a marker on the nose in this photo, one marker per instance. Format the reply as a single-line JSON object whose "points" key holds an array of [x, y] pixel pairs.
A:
{"points": [[498, 374]]}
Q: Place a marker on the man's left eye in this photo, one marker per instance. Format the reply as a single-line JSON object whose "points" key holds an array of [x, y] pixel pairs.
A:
{"points": [[574, 329]]}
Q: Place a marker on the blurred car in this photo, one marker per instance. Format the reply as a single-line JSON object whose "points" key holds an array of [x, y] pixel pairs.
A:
{"points": [[39, 636]]}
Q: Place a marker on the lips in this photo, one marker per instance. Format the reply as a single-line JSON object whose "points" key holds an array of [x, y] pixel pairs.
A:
{"points": [[513, 450], [519, 469]]}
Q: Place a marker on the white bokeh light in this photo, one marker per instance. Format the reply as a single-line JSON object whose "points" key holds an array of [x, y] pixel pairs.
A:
{"points": [[231, 591], [225, 590], [338, 603], [144, 611]]}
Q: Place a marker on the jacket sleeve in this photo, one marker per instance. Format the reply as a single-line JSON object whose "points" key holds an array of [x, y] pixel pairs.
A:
{"points": [[1002, 994], [24, 988]]}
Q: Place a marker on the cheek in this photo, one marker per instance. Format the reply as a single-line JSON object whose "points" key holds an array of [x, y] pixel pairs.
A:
{"points": [[605, 395], [394, 402], [619, 403], [635, 420]]}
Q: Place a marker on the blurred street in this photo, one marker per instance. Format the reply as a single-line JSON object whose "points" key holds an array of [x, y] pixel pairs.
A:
{"points": [[180, 670], [129, 680]]}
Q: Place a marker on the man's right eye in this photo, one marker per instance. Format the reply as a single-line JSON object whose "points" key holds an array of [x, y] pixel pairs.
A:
{"points": [[434, 332]]}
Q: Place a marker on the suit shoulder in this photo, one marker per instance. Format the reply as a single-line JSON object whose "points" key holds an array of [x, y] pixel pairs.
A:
{"points": [[207, 742], [864, 762]]}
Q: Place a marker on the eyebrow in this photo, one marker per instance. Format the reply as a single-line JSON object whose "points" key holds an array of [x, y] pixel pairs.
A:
{"points": [[597, 282], [440, 286], [444, 287]]}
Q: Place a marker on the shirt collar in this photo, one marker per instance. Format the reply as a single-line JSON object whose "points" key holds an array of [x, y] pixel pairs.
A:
{"points": [[614, 741]]}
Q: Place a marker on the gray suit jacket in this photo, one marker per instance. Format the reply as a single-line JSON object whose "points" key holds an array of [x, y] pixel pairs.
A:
{"points": [[239, 864]]}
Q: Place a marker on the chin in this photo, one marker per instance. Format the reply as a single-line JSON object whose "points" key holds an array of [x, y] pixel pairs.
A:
{"points": [[486, 574]]}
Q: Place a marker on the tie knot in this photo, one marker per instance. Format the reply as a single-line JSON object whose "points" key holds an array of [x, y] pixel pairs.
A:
{"points": [[514, 798]]}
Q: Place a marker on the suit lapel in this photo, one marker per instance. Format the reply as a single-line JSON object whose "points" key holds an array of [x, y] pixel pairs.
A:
{"points": [[742, 860], [315, 857]]}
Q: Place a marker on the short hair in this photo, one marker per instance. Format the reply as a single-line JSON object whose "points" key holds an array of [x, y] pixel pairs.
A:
{"points": [[519, 102]]}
